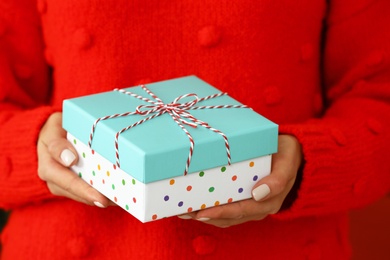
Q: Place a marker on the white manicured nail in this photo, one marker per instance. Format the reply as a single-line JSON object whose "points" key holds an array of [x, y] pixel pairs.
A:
{"points": [[203, 219], [261, 192], [67, 157], [184, 216], [98, 204]]}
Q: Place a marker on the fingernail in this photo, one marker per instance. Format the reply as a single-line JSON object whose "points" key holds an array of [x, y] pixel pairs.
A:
{"points": [[184, 216], [261, 192], [98, 204], [203, 219], [67, 157]]}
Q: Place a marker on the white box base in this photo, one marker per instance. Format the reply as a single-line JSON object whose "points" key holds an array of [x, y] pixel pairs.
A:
{"points": [[172, 196]]}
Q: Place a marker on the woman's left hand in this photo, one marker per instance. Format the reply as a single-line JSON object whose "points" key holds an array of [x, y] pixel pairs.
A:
{"points": [[267, 195]]}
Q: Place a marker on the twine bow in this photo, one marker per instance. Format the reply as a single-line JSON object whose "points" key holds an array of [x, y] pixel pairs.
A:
{"points": [[179, 113]]}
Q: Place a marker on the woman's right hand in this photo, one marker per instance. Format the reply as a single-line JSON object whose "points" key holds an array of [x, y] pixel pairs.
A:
{"points": [[55, 155]]}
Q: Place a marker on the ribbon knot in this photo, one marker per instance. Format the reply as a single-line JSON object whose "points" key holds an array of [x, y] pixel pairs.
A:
{"points": [[175, 108], [178, 112]]}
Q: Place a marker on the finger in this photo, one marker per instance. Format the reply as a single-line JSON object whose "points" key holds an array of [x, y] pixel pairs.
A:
{"points": [[279, 182], [235, 213], [238, 210], [285, 165], [58, 191], [225, 223], [53, 136], [63, 182], [72, 186]]}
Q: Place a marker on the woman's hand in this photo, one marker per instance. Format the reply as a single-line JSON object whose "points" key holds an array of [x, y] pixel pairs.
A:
{"points": [[55, 155], [267, 195]]}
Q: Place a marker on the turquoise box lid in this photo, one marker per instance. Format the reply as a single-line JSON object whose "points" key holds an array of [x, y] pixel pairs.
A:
{"points": [[158, 148]]}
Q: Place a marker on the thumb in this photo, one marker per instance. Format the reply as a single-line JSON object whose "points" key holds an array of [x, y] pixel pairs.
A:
{"points": [[53, 136], [271, 186], [285, 164]]}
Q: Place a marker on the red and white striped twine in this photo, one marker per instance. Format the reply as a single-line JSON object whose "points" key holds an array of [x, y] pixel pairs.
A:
{"points": [[179, 113]]}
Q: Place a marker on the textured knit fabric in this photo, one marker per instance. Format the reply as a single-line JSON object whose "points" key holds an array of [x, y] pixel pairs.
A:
{"points": [[320, 69]]}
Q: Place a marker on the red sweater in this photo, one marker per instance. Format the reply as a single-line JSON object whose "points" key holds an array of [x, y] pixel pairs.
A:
{"points": [[320, 70]]}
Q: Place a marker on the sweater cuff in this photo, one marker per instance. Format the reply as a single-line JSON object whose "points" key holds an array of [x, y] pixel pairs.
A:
{"points": [[316, 185], [331, 179], [19, 181]]}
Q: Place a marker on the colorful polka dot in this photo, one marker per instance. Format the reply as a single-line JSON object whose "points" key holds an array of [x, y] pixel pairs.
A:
{"points": [[166, 198], [154, 217], [115, 199], [171, 182], [189, 188], [127, 207], [103, 181], [180, 204], [123, 182], [201, 174], [203, 206], [216, 203], [189, 209], [251, 164], [211, 189], [223, 169], [98, 166], [74, 141], [80, 175], [234, 177], [108, 173], [133, 181], [255, 178], [93, 173], [83, 155], [240, 190], [114, 166], [134, 200], [91, 182], [230, 200], [93, 151], [113, 186]]}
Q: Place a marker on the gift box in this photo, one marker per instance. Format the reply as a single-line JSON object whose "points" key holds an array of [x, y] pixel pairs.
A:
{"points": [[169, 147]]}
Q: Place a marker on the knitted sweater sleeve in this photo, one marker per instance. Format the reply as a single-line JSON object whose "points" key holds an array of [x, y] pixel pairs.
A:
{"points": [[346, 151], [24, 89]]}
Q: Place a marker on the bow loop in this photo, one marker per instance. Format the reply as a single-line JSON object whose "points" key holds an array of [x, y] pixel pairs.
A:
{"points": [[175, 106], [146, 109], [187, 104]]}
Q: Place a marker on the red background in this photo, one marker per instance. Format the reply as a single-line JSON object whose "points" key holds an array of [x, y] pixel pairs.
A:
{"points": [[370, 231]]}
